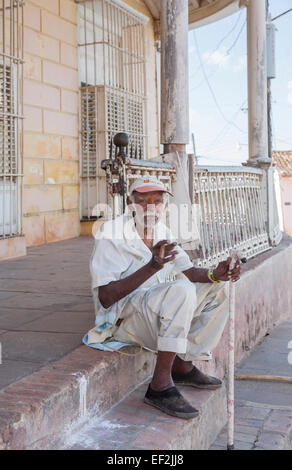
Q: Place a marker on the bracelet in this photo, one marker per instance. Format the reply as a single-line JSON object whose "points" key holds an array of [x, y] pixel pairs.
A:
{"points": [[210, 275]]}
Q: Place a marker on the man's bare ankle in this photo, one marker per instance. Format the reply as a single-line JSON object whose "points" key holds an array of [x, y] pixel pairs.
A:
{"points": [[159, 386], [181, 367]]}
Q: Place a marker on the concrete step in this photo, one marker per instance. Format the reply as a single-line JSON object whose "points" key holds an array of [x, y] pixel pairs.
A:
{"points": [[134, 425], [52, 408], [40, 410]]}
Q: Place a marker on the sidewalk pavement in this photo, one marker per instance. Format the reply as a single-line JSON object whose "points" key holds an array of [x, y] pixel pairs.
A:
{"points": [[45, 306], [263, 409]]}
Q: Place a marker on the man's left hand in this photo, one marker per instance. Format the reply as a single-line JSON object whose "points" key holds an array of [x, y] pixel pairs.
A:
{"points": [[223, 272]]}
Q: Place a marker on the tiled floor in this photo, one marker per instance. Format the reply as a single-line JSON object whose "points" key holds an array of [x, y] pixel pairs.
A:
{"points": [[45, 306]]}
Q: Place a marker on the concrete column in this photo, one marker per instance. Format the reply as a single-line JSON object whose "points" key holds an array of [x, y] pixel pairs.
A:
{"points": [[174, 75], [258, 111], [257, 82]]}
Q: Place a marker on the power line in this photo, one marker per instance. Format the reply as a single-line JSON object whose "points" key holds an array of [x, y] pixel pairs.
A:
{"points": [[216, 49], [237, 37], [210, 88], [194, 73], [221, 132], [203, 80], [222, 40], [282, 14], [229, 32]]}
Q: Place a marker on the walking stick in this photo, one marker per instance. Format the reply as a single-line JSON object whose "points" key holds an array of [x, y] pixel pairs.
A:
{"points": [[230, 399]]}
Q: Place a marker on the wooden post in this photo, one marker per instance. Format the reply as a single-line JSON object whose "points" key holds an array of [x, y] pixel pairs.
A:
{"points": [[174, 75]]}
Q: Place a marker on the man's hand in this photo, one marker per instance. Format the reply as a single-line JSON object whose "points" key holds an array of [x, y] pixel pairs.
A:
{"points": [[162, 253], [223, 272], [114, 291]]}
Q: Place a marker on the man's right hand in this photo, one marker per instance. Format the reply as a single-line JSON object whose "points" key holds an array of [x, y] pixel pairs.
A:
{"points": [[162, 253]]}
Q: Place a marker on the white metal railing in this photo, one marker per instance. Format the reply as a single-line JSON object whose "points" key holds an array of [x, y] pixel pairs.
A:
{"points": [[231, 201], [11, 117], [232, 213]]}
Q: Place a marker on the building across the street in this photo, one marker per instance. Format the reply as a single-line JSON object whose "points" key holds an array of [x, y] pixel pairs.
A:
{"points": [[283, 161]]}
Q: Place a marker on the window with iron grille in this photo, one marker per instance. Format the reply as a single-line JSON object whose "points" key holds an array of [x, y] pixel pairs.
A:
{"points": [[112, 89], [88, 134], [11, 63], [8, 136]]}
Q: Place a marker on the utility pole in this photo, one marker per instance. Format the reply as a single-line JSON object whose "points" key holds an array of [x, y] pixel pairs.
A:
{"points": [[269, 96], [194, 149], [270, 28]]}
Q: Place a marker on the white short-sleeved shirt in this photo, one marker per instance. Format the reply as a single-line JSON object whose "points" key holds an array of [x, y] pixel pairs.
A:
{"points": [[118, 252]]}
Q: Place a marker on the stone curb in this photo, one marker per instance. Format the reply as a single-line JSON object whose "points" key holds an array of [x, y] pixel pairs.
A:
{"points": [[38, 411], [134, 425]]}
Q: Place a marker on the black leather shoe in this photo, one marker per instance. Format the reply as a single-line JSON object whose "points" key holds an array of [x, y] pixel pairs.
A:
{"points": [[196, 378], [171, 402]]}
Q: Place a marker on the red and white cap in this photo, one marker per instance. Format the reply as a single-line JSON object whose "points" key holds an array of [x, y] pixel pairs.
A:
{"points": [[147, 184]]}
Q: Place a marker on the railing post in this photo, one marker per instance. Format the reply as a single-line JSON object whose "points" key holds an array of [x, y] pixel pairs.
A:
{"points": [[269, 200]]}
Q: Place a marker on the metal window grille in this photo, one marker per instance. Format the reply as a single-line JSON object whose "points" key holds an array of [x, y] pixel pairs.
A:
{"points": [[112, 91], [11, 117], [88, 135]]}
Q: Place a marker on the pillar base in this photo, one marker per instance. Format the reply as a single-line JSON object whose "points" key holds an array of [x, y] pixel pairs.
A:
{"points": [[259, 162]]}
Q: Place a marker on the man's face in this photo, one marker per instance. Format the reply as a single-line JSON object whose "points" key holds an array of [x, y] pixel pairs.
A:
{"points": [[149, 207]]}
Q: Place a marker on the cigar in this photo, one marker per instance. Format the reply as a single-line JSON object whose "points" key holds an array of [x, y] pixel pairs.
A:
{"points": [[162, 252]]}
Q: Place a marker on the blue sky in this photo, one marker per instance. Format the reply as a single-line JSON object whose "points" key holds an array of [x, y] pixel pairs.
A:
{"points": [[218, 87]]}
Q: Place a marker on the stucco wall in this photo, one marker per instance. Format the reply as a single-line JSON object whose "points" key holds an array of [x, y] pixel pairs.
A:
{"points": [[51, 154], [286, 200], [50, 95]]}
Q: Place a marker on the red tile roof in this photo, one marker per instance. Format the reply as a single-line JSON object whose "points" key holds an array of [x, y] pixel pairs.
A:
{"points": [[283, 161]]}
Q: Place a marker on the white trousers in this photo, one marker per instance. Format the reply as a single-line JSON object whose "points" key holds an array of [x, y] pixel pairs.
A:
{"points": [[179, 316]]}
